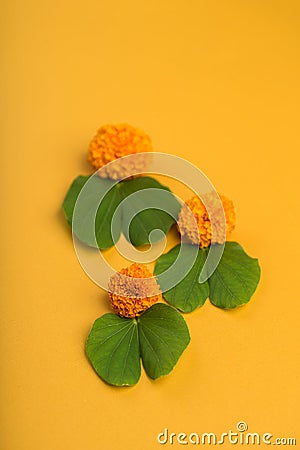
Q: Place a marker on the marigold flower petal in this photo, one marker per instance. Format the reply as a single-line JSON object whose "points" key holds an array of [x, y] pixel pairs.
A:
{"points": [[112, 142], [133, 290], [195, 225]]}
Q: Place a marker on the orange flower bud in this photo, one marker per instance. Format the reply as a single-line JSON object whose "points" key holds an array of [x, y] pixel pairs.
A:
{"points": [[200, 232], [133, 290], [112, 142]]}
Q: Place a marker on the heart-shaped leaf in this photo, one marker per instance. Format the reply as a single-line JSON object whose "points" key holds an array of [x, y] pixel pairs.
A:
{"points": [[108, 232], [163, 336], [113, 349], [148, 206], [148, 193], [235, 278], [91, 231], [72, 195], [115, 344], [188, 294]]}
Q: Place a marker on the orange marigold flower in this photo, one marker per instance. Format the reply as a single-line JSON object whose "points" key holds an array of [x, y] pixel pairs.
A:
{"points": [[133, 290], [111, 142], [195, 225]]}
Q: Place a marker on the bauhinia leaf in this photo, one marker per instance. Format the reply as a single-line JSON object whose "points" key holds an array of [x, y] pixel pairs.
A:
{"points": [[106, 238], [72, 195], [115, 344], [163, 336], [113, 349], [235, 278], [232, 283], [188, 294], [149, 194], [136, 226], [100, 199]]}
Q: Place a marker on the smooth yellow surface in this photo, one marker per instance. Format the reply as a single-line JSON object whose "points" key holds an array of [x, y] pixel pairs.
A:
{"points": [[216, 82]]}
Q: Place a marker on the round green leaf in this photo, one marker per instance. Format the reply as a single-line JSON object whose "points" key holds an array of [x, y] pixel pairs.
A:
{"points": [[104, 216], [151, 218], [101, 198], [113, 349], [163, 336], [156, 202], [188, 294], [71, 196], [235, 279]]}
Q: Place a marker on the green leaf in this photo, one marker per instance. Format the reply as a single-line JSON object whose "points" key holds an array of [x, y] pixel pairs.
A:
{"points": [[113, 349], [163, 336], [100, 198], [188, 294], [151, 195], [235, 279], [103, 224], [71, 196], [97, 232]]}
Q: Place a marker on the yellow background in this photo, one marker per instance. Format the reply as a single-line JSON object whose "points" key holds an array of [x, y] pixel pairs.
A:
{"points": [[216, 82]]}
